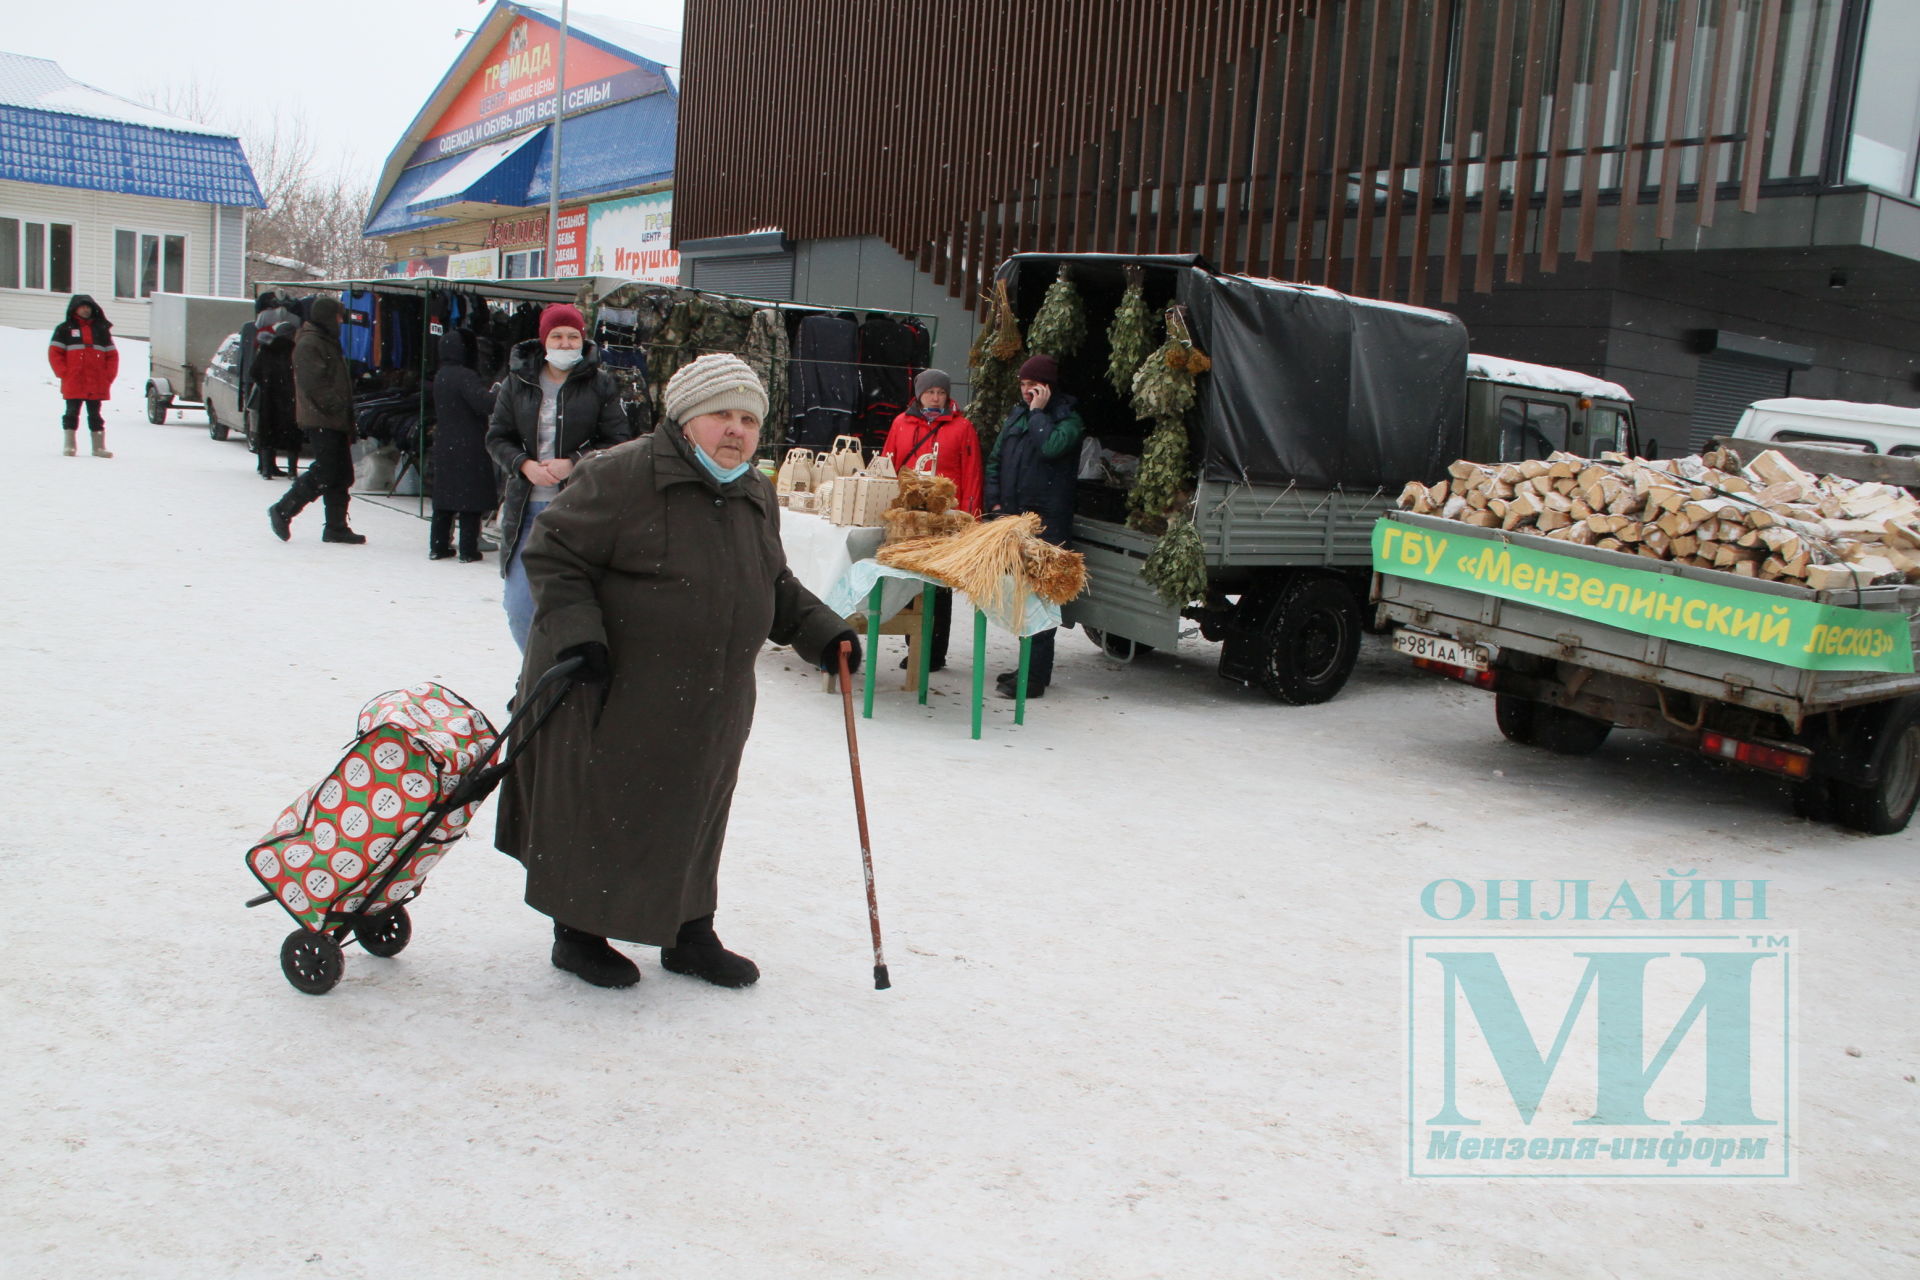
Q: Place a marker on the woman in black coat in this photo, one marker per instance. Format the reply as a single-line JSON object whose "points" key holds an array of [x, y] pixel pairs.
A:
{"points": [[274, 430], [463, 481]]}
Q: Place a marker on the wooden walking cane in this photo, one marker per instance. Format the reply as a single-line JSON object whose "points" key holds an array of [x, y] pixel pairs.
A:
{"points": [[880, 980]]}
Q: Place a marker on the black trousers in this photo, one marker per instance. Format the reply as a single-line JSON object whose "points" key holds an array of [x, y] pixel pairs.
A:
{"points": [[1040, 663], [330, 477], [942, 626], [440, 531], [70, 420]]}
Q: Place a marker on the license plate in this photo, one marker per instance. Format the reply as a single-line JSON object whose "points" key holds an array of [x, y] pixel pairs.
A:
{"points": [[1418, 644]]}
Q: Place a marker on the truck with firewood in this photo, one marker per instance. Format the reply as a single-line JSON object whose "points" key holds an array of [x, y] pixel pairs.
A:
{"points": [[1317, 407], [1763, 612]]}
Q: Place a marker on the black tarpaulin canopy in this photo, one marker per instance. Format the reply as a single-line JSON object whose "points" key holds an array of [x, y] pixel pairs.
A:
{"points": [[1308, 386]]}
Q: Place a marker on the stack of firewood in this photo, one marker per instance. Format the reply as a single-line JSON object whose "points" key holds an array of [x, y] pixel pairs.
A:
{"points": [[1770, 519]]}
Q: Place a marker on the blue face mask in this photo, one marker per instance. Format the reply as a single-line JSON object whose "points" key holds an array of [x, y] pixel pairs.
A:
{"points": [[714, 469]]}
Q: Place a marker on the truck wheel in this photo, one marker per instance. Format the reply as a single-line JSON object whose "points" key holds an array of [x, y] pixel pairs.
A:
{"points": [[1536, 724], [1518, 719], [215, 428], [157, 406], [1310, 643], [1886, 805]]}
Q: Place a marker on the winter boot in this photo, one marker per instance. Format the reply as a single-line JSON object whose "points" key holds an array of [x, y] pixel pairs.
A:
{"points": [[100, 449], [337, 530], [70, 448], [697, 951], [588, 956]]}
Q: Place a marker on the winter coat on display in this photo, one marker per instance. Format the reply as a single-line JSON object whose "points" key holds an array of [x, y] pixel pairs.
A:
{"points": [[463, 476], [619, 808], [322, 387], [914, 435], [82, 353], [1036, 458], [589, 416], [824, 389], [886, 378], [274, 422]]}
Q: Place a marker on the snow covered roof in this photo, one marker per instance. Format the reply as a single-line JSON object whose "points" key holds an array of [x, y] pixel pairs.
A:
{"points": [[39, 84], [1544, 377], [58, 132], [1845, 410]]}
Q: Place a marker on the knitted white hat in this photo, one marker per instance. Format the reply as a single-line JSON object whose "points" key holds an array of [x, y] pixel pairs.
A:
{"points": [[712, 383]]}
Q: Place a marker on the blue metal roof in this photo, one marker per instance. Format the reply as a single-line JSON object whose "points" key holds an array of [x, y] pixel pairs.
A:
{"points": [[61, 150], [627, 145]]}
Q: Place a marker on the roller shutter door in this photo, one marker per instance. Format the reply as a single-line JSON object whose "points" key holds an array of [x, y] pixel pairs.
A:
{"points": [[758, 275], [1727, 384]]}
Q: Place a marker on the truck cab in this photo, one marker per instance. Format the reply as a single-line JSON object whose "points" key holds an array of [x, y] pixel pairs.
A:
{"points": [[1517, 411]]}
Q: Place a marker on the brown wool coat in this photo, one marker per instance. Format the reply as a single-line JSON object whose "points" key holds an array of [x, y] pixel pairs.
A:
{"points": [[619, 810]]}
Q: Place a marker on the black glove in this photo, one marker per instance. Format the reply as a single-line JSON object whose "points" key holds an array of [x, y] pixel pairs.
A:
{"points": [[830, 656], [594, 666]]}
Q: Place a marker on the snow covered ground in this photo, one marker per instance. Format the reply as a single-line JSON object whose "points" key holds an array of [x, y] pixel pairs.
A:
{"points": [[1147, 952]]}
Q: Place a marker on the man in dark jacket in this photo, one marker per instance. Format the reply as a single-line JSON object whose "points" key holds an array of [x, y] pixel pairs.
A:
{"points": [[556, 406], [1034, 462], [323, 408]]}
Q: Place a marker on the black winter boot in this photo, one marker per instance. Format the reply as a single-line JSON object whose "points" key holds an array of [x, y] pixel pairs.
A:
{"points": [[589, 957], [337, 530], [697, 951]]}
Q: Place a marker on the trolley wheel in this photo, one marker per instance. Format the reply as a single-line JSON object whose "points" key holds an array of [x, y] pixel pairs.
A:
{"points": [[311, 961], [386, 934]]}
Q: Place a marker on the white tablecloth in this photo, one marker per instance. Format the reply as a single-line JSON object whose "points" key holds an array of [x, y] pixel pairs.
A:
{"points": [[820, 553]]}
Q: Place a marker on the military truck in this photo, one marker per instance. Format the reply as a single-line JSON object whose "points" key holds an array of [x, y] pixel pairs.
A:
{"points": [[1319, 407]]}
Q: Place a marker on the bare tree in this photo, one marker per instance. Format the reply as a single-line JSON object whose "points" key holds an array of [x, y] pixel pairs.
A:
{"points": [[313, 214]]}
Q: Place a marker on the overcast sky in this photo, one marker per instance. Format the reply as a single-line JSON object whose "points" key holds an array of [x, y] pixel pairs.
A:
{"points": [[357, 71]]}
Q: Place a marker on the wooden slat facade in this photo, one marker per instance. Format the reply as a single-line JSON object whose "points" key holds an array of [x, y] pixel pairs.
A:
{"points": [[1356, 143]]}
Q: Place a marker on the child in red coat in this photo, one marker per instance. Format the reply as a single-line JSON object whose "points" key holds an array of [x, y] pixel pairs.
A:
{"points": [[84, 358]]}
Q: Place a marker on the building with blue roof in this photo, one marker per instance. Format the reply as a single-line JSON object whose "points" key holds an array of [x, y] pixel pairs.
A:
{"points": [[102, 195], [466, 192]]}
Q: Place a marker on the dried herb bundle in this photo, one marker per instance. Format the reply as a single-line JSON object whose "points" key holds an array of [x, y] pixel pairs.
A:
{"points": [[1177, 566], [996, 563], [995, 360], [1163, 391], [1130, 336]]}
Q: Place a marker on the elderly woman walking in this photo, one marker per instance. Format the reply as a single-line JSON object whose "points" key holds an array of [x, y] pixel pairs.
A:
{"points": [[660, 566]]}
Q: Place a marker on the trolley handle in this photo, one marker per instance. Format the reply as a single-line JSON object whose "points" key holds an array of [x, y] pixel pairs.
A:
{"points": [[530, 718]]}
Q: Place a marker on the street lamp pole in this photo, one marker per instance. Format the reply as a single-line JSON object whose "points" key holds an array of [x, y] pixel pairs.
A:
{"points": [[553, 173]]}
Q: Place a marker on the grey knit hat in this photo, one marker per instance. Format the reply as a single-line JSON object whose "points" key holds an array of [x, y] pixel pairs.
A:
{"points": [[929, 379], [712, 383]]}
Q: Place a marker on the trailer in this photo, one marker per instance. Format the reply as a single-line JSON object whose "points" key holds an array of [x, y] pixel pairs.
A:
{"points": [[1818, 687], [187, 331]]}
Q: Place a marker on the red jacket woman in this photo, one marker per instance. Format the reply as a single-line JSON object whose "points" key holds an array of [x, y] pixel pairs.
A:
{"points": [[932, 422], [84, 358]]}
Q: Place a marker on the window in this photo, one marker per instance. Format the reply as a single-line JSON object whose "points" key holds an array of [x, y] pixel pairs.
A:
{"points": [[36, 255], [1604, 430], [528, 264], [1886, 108], [148, 262], [1531, 428]]}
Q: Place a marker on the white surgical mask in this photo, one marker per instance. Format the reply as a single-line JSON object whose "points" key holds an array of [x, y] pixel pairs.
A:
{"points": [[564, 359]]}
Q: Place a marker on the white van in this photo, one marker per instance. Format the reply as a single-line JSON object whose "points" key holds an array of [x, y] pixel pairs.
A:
{"points": [[1834, 424]]}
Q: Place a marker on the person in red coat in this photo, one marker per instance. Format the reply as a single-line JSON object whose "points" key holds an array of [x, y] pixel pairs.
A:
{"points": [[932, 424], [85, 360]]}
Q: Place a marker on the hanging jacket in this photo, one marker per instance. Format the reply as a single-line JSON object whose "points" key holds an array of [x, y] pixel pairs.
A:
{"points": [[913, 436], [588, 416], [1035, 461], [82, 353], [275, 426]]}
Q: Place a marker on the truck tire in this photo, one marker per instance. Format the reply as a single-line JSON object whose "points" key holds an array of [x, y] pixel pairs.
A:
{"points": [[1310, 642], [215, 428], [1555, 729], [157, 406], [1885, 805]]}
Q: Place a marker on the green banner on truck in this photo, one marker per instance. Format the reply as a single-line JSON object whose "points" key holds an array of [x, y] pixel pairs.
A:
{"points": [[1793, 632]]}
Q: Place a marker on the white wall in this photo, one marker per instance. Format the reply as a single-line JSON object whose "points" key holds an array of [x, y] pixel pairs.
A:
{"points": [[95, 216]]}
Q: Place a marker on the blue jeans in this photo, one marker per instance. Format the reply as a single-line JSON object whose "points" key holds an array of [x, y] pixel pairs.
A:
{"points": [[518, 599]]}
